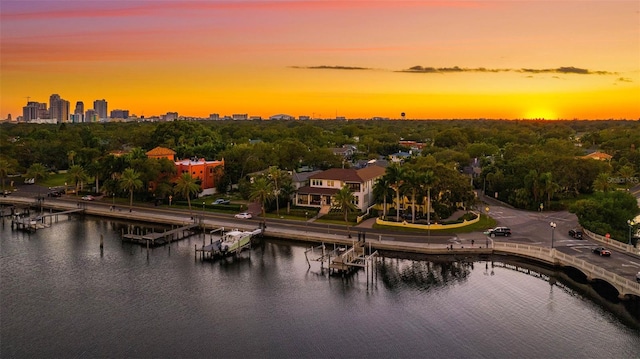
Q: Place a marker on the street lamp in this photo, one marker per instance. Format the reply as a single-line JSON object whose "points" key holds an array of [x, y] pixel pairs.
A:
{"points": [[553, 227], [630, 223], [306, 214]]}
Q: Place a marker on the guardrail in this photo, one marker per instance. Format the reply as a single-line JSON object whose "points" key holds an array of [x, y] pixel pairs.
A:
{"points": [[625, 247], [623, 285]]}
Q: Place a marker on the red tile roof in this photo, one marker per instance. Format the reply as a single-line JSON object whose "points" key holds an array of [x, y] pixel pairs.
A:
{"points": [[161, 151], [350, 174]]}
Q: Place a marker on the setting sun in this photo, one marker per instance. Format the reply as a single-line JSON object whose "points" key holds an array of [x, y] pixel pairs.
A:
{"points": [[328, 59], [540, 114]]}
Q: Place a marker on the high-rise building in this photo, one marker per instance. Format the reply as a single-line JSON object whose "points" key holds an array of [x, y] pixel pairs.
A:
{"points": [[58, 108], [120, 114], [32, 111], [101, 108], [79, 108], [91, 116]]}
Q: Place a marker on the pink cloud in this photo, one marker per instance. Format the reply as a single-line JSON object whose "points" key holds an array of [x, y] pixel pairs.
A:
{"points": [[91, 9]]}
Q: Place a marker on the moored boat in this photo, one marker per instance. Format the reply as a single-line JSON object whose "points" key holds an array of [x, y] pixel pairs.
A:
{"points": [[236, 239]]}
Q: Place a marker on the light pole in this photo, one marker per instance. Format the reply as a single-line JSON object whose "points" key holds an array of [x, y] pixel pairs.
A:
{"points": [[306, 214], [630, 223], [486, 241], [553, 226]]}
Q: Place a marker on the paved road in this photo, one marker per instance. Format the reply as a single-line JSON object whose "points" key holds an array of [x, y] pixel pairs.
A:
{"points": [[534, 228], [527, 227]]}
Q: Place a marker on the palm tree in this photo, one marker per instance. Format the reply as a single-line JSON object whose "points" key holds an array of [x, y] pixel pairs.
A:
{"points": [[382, 190], [37, 171], [262, 191], [71, 155], [627, 172], [343, 199], [287, 190], [548, 187], [412, 183], [275, 175], [533, 181], [186, 186], [5, 169], [602, 182], [77, 175], [130, 181], [394, 175], [429, 179]]}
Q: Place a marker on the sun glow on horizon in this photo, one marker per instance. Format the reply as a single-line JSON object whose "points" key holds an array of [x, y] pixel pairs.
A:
{"points": [[541, 114]]}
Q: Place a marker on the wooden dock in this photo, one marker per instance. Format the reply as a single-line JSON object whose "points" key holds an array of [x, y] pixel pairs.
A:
{"points": [[154, 239], [344, 260], [33, 223]]}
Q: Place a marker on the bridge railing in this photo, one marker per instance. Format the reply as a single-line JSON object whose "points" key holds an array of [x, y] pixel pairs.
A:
{"points": [[610, 242], [552, 256]]}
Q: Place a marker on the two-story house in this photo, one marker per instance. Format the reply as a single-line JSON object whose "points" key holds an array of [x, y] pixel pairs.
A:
{"points": [[322, 186]]}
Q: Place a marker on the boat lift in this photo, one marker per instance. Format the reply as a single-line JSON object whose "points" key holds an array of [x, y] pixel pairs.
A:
{"points": [[344, 260]]}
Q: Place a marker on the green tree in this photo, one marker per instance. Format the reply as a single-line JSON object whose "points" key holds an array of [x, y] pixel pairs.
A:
{"points": [[6, 168], [287, 190], [76, 175], [130, 181], [38, 172], [602, 183], [394, 174], [382, 191], [71, 155], [548, 187], [275, 176], [261, 191], [607, 212], [186, 186], [412, 183], [343, 199]]}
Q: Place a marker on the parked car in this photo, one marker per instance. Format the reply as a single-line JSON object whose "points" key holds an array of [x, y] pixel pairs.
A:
{"points": [[499, 231], [602, 251], [29, 181], [221, 201], [575, 233], [244, 215], [88, 198], [54, 194]]}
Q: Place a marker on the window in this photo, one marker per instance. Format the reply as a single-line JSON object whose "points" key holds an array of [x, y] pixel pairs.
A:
{"points": [[330, 183], [354, 187], [316, 182]]}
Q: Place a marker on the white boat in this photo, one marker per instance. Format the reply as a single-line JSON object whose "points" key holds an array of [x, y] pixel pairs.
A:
{"points": [[235, 240]]}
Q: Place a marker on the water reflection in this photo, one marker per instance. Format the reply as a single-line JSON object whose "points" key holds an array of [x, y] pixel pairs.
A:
{"points": [[58, 287]]}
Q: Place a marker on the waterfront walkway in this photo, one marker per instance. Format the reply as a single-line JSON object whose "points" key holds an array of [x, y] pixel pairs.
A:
{"points": [[467, 244]]}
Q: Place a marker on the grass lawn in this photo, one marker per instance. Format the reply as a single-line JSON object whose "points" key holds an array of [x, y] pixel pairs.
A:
{"points": [[482, 225]]}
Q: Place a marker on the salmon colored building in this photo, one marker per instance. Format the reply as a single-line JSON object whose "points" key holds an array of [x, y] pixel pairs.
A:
{"points": [[208, 172]]}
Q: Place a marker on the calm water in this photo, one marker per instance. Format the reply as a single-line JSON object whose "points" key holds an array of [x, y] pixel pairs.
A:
{"points": [[61, 298]]}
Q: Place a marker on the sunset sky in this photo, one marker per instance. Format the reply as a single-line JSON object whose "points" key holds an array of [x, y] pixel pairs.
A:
{"points": [[357, 59]]}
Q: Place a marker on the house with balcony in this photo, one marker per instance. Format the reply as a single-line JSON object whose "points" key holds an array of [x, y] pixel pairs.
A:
{"points": [[324, 185]]}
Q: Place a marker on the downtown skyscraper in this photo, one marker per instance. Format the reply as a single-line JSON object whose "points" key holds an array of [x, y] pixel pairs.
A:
{"points": [[58, 108], [100, 106]]}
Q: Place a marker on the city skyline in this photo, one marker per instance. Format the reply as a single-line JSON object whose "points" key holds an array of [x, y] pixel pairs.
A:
{"points": [[327, 59]]}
